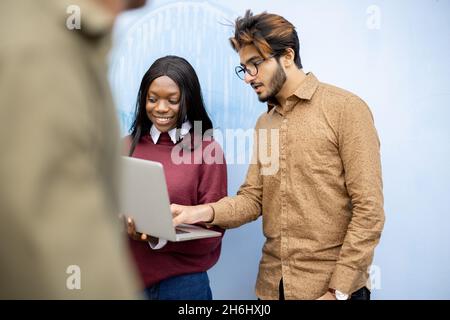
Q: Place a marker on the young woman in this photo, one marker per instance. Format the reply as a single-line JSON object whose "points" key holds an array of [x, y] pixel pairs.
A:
{"points": [[169, 105]]}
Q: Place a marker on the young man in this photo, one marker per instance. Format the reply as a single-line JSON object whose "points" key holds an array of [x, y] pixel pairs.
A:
{"points": [[323, 209]]}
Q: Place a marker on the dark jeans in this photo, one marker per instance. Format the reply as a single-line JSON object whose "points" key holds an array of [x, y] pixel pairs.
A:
{"points": [[361, 294], [193, 286]]}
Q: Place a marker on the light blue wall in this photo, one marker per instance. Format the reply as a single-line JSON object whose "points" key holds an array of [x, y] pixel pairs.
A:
{"points": [[394, 54]]}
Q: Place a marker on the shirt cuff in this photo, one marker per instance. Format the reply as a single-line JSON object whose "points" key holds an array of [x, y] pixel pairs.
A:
{"points": [[157, 245], [221, 211], [348, 280]]}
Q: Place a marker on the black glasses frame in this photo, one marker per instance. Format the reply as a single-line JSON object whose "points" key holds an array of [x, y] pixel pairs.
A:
{"points": [[242, 70]]}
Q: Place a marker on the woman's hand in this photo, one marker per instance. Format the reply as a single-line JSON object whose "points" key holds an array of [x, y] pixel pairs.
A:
{"points": [[133, 234]]}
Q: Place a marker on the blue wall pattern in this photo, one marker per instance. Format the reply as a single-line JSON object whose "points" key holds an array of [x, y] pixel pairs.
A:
{"points": [[197, 31], [394, 54]]}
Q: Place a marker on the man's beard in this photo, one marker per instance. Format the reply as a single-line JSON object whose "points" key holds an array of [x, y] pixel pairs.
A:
{"points": [[275, 85]]}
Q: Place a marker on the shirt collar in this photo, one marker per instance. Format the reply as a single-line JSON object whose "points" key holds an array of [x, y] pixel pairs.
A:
{"points": [[185, 128], [304, 91]]}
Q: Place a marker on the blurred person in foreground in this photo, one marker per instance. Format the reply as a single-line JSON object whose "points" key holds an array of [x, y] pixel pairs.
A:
{"points": [[59, 147]]}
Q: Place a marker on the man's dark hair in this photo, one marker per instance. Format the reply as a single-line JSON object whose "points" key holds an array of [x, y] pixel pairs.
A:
{"points": [[269, 33]]}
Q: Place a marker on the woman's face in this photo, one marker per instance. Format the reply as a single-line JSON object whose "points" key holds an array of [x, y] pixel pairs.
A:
{"points": [[163, 103]]}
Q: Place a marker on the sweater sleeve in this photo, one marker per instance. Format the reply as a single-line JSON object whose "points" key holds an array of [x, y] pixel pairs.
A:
{"points": [[211, 188]]}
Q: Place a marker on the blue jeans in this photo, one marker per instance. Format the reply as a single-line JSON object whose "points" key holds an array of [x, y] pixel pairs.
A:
{"points": [[193, 286]]}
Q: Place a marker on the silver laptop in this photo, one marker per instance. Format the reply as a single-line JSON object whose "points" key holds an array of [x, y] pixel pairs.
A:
{"points": [[144, 198]]}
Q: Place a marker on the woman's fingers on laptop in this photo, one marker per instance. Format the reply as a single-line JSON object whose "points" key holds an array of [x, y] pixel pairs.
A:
{"points": [[124, 218], [131, 230]]}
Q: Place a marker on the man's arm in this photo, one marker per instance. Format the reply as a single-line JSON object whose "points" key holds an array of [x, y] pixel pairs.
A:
{"points": [[212, 187], [229, 212], [359, 148]]}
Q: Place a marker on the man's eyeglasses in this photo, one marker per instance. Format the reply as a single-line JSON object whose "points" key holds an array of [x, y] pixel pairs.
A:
{"points": [[251, 69]]}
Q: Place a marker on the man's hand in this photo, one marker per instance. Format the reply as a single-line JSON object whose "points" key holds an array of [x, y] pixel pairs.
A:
{"points": [[327, 296], [191, 214]]}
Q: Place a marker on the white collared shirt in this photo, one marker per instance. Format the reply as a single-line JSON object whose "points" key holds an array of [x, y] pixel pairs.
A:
{"points": [[185, 128], [155, 134]]}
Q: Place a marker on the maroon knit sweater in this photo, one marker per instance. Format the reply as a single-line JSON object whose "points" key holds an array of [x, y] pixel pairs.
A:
{"points": [[188, 184]]}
